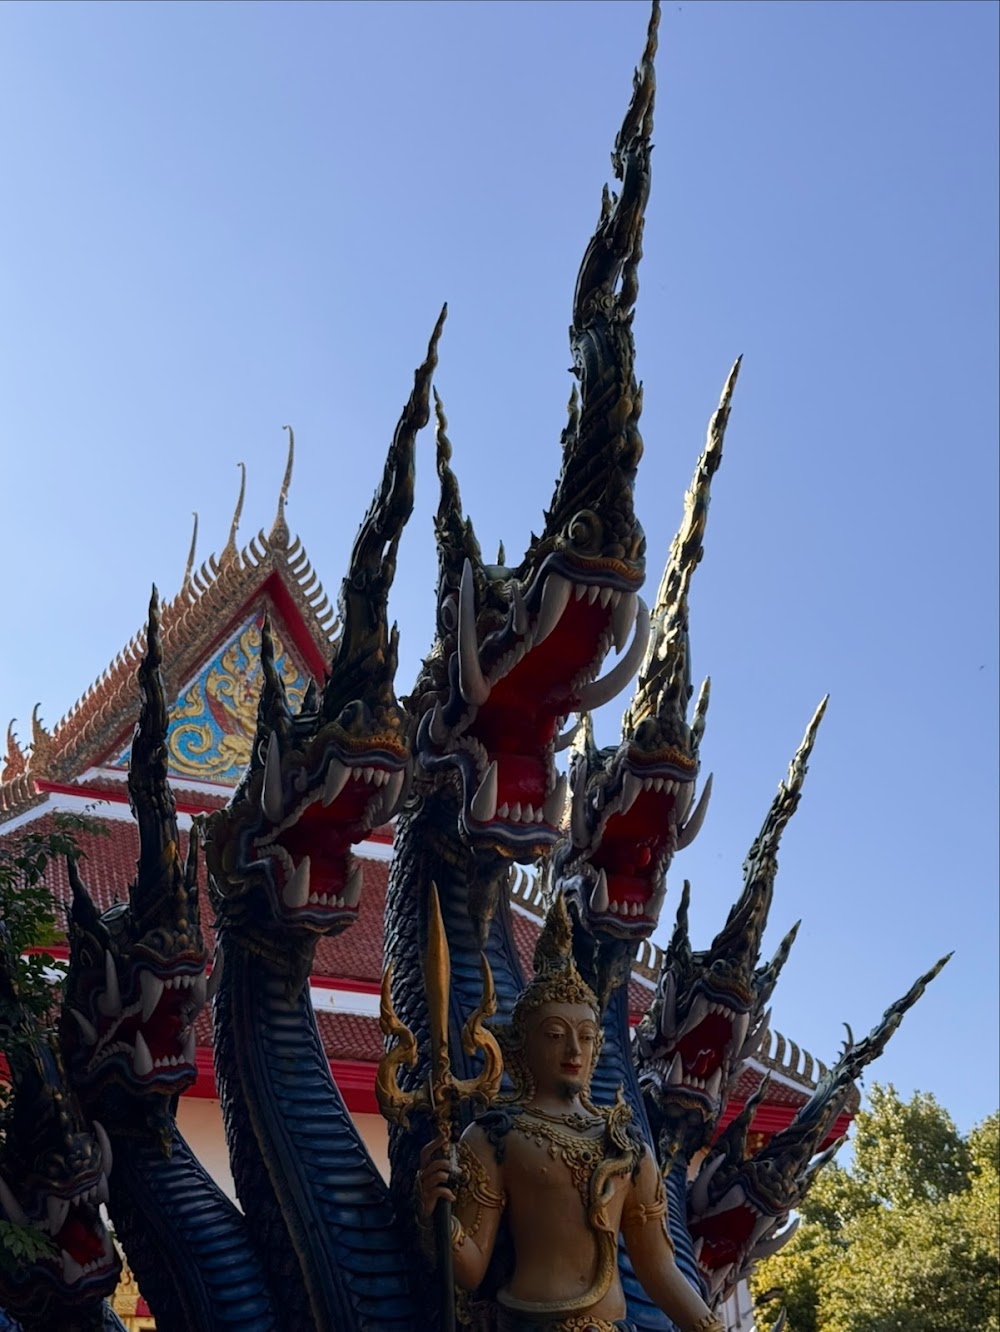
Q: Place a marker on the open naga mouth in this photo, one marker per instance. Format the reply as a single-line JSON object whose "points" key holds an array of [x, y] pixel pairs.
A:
{"points": [[510, 695], [690, 1061], [313, 819], [732, 1234], [85, 1260], [148, 1038], [624, 833]]}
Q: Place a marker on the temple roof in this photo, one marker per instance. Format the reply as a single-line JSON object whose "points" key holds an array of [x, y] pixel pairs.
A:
{"points": [[210, 632]]}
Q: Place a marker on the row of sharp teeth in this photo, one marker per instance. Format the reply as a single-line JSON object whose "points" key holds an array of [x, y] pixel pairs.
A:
{"points": [[483, 806], [73, 1272], [554, 602], [388, 787], [676, 1077], [151, 987], [626, 908], [296, 892], [557, 591], [518, 813], [601, 904], [338, 774], [633, 786], [143, 1062], [606, 595], [701, 1008], [715, 1276]]}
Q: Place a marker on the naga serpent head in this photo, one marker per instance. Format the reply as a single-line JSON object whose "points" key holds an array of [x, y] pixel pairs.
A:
{"points": [[321, 779], [632, 804], [53, 1175], [739, 1203], [518, 648], [708, 1014], [137, 973]]}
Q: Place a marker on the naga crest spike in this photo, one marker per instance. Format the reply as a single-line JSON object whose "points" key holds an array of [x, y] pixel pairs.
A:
{"points": [[366, 649], [739, 940], [158, 869], [664, 687], [456, 538]]}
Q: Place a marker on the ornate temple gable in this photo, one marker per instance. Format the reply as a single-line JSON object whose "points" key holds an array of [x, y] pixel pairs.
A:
{"points": [[211, 637], [213, 718]]}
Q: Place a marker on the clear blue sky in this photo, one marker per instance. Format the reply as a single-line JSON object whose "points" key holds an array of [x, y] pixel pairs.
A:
{"points": [[221, 218]]}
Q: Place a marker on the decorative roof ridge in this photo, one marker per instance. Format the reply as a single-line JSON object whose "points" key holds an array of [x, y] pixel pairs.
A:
{"points": [[18, 794], [782, 1055], [191, 623]]}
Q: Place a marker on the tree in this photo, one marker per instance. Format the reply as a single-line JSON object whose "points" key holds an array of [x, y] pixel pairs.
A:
{"points": [[30, 980], [906, 1239]]}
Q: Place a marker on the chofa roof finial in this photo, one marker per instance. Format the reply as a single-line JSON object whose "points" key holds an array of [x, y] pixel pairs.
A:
{"points": [[230, 554], [278, 536], [189, 567]]}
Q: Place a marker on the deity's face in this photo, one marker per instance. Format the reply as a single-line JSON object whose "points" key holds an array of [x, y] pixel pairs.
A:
{"points": [[560, 1046]]}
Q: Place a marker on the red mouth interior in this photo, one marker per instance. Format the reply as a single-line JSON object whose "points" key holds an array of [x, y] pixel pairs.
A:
{"points": [[517, 722], [325, 835], [703, 1049], [631, 846], [80, 1240], [163, 1032], [726, 1236]]}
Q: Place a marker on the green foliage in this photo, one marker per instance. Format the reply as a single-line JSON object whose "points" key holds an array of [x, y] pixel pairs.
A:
{"points": [[29, 983], [906, 1238], [20, 1245], [909, 1152], [27, 907]]}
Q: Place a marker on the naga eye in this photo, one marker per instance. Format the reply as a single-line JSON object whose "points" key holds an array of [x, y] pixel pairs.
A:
{"points": [[585, 530], [351, 715], [448, 613]]}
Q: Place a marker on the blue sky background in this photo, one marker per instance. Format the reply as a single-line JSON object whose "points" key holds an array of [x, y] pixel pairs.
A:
{"points": [[220, 218]]}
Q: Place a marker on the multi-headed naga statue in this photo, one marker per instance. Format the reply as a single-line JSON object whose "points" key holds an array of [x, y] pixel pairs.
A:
{"points": [[541, 1162]]}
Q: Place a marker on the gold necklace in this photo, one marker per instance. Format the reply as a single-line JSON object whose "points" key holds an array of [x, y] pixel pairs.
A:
{"points": [[563, 1140], [573, 1119]]}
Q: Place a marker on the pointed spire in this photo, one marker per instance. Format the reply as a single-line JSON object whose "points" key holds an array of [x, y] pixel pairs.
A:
{"points": [[278, 535], [230, 554], [16, 764], [189, 567]]}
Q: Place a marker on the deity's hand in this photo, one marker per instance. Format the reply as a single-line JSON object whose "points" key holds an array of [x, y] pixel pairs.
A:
{"points": [[435, 1175]]}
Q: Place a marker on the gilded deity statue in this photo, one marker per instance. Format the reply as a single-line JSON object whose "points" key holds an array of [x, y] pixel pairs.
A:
{"points": [[556, 1179]]}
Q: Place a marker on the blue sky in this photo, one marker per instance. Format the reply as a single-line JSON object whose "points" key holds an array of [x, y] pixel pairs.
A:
{"points": [[222, 218]]}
